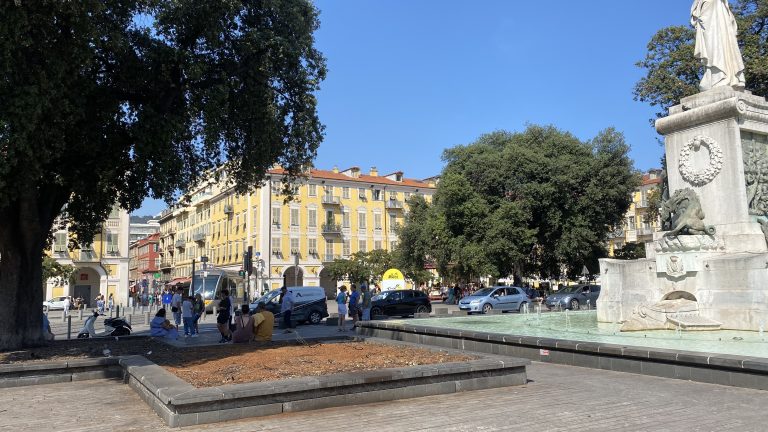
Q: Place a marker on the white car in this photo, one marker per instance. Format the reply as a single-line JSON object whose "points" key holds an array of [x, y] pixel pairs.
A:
{"points": [[55, 303]]}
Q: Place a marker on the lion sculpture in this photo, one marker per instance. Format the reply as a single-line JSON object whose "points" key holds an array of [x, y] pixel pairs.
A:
{"points": [[683, 215]]}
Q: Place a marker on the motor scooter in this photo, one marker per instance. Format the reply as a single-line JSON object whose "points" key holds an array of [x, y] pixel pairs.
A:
{"points": [[112, 327]]}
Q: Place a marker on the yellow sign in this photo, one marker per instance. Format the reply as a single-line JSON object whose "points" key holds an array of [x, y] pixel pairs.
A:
{"points": [[393, 274], [392, 279]]}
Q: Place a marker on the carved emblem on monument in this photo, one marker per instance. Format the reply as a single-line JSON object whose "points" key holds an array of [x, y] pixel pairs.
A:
{"points": [[700, 177], [675, 266]]}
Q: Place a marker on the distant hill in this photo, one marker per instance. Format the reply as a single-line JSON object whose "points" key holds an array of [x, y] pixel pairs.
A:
{"points": [[141, 219]]}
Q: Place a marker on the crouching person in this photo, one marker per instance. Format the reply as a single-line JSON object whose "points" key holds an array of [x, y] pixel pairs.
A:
{"points": [[263, 323]]}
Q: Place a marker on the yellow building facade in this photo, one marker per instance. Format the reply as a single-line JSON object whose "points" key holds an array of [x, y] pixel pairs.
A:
{"points": [[101, 265], [637, 226], [334, 214]]}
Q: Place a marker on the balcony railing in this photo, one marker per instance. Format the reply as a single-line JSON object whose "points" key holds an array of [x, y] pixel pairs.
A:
{"points": [[330, 257], [166, 264], [199, 237], [181, 244], [394, 204], [331, 228], [331, 200]]}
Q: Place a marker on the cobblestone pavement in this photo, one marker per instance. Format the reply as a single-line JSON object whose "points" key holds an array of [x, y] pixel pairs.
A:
{"points": [[557, 398]]}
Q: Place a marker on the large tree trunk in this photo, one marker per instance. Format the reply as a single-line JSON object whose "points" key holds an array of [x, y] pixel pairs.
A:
{"points": [[23, 233]]}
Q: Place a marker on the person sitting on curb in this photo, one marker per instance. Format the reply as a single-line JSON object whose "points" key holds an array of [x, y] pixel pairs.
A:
{"points": [[263, 323], [159, 326], [243, 326], [47, 333]]}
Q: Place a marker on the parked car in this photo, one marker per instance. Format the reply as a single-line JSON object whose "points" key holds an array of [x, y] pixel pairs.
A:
{"points": [[574, 297], [504, 298], [437, 294], [309, 304], [56, 303], [400, 303]]}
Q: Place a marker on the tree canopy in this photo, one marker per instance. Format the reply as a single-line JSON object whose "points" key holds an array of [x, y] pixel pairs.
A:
{"points": [[110, 101], [362, 266], [523, 204], [672, 72]]}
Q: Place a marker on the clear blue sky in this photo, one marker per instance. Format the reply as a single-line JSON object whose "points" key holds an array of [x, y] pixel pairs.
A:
{"points": [[409, 78]]}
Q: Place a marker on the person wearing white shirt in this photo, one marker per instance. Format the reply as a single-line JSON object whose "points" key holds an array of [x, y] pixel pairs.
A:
{"points": [[176, 307]]}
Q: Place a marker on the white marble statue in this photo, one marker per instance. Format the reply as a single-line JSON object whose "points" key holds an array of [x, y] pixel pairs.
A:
{"points": [[716, 44]]}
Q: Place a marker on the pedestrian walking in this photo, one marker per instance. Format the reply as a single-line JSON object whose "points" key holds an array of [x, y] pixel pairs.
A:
{"points": [[110, 302], [166, 298], [100, 304], [286, 308], [66, 306], [188, 315], [223, 317], [354, 306], [176, 306], [366, 304], [341, 302], [199, 310]]}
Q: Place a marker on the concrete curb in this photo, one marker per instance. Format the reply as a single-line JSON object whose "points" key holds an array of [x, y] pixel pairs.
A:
{"points": [[724, 369]]}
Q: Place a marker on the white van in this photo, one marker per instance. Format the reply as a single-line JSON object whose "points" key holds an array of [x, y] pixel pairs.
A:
{"points": [[309, 304]]}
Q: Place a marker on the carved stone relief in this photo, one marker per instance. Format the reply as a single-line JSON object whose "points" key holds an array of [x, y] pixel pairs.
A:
{"points": [[755, 150]]}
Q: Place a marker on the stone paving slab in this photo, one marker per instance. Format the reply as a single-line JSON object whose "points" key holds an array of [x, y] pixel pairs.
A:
{"points": [[557, 398]]}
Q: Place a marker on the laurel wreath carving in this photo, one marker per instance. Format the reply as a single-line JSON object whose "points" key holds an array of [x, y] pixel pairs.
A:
{"points": [[701, 177]]}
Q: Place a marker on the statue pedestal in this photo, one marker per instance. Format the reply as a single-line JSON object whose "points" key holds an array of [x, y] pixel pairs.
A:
{"points": [[716, 144]]}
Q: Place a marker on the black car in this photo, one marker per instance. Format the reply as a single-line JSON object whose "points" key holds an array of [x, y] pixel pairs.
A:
{"points": [[400, 303]]}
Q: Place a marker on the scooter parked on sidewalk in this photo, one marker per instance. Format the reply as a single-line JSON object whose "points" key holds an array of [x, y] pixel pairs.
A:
{"points": [[112, 327]]}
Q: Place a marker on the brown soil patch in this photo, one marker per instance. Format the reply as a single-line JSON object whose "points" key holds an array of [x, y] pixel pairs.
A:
{"points": [[272, 363], [233, 364]]}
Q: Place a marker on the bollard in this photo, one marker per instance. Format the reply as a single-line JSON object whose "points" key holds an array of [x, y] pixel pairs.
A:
{"points": [[118, 312], [69, 327], [129, 319], [80, 314], [146, 318], [63, 316]]}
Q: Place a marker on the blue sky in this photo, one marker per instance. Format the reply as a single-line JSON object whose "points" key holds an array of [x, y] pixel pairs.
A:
{"points": [[410, 78]]}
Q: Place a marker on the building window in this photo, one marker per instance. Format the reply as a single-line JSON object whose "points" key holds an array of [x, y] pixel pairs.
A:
{"points": [[60, 245], [345, 219], [294, 217], [392, 245], [361, 222], [346, 250], [112, 245], [276, 247], [276, 216], [377, 221], [406, 195], [377, 195], [312, 218], [329, 250], [312, 190], [362, 246], [361, 193], [295, 246], [312, 246], [345, 192], [377, 244], [392, 221]]}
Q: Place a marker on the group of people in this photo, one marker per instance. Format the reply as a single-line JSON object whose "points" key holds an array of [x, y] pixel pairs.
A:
{"points": [[246, 327], [186, 309], [356, 304]]}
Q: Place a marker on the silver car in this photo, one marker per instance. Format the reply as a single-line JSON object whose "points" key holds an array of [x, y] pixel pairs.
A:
{"points": [[574, 297], [55, 303], [503, 298]]}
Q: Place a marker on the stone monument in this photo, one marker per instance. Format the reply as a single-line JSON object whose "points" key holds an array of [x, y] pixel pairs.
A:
{"points": [[710, 269]]}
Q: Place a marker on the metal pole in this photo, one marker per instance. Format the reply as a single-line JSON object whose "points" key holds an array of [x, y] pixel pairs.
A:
{"points": [[69, 327], [192, 284]]}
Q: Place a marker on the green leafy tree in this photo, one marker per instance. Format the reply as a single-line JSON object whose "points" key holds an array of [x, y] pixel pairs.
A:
{"points": [[630, 251], [110, 101], [53, 269], [522, 203], [362, 266], [672, 72]]}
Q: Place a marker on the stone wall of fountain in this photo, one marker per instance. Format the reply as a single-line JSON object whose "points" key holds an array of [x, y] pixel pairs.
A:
{"points": [[716, 147]]}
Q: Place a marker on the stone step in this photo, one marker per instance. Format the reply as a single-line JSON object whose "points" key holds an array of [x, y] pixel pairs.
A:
{"points": [[694, 322]]}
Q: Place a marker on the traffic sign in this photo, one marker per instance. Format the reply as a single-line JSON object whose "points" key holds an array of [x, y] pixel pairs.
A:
{"points": [[156, 275]]}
